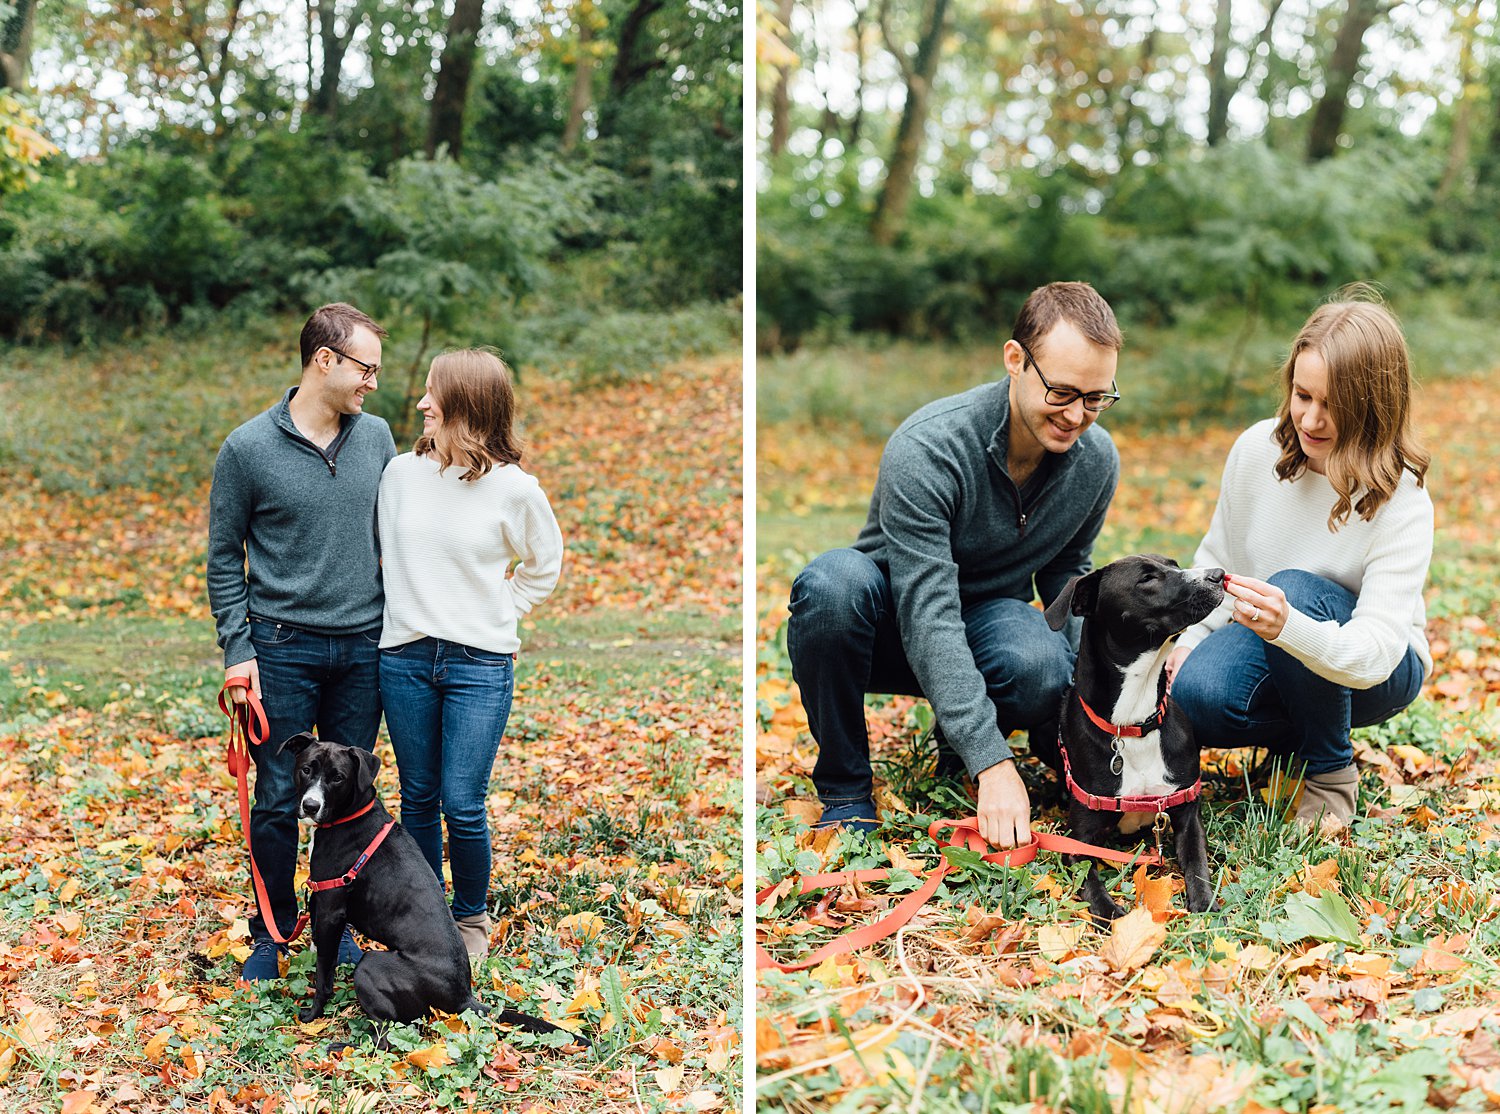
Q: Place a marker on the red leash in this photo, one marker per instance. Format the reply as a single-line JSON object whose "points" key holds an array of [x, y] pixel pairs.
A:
{"points": [[965, 834], [248, 724]]}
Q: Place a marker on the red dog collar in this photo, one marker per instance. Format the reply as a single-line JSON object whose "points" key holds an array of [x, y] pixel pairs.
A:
{"points": [[1134, 731]]}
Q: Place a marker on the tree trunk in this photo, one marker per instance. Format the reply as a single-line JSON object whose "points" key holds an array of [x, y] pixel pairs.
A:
{"points": [[583, 86], [890, 208], [629, 68], [445, 123], [781, 96], [325, 101], [1489, 159], [1463, 114], [857, 125], [1343, 64], [15, 44], [1220, 88]]}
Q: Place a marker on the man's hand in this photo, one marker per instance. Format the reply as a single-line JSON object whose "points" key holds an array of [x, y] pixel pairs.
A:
{"points": [[1004, 807], [250, 669]]}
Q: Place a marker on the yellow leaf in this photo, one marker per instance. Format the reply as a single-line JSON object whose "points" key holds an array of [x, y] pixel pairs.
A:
{"points": [[832, 974], [7, 1062], [1058, 941], [669, 1078], [902, 861], [177, 1003], [1415, 758], [69, 891], [584, 1000], [431, 1058], [1133, 939], [583, 926], [1256, 957]]}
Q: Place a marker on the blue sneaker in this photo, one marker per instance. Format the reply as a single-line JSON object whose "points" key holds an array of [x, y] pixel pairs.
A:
{"points": [[264, 962], [349, 951], [856, 816]]}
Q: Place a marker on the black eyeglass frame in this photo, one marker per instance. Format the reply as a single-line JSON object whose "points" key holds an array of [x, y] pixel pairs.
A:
{"points": [[371, 371], [1103, 400]]}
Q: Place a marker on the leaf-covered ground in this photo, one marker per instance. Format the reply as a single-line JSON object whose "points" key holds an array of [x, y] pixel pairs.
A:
{"points": [[1355, 975], [614, 803]]}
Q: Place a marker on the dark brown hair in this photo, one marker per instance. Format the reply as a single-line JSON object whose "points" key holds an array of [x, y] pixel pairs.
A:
{"points": [[1369, 400], [331, 326], [472, 388], [1077, 303]]}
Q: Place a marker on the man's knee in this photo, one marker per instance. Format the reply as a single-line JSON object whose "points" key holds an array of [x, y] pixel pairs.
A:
{"points": [[837, 590]]}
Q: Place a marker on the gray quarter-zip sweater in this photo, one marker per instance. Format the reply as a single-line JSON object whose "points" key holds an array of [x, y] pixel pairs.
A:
{"points": [[947, 525], [291, 528]]}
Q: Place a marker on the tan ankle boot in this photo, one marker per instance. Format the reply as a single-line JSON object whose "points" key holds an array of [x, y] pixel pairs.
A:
{"points": [[475, 931], [1328, 800]]}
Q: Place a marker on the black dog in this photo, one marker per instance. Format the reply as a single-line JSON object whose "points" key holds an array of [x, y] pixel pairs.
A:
{"points": [[393, 897], [1124, 745]]}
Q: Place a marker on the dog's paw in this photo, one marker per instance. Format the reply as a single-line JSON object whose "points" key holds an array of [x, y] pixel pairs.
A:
{"points": [[309, 1013]]}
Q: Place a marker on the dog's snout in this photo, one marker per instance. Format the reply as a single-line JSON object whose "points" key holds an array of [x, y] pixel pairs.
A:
{"points": [[1214, 576]]}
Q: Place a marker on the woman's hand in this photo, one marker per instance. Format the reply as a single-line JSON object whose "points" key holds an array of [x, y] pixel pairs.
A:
{"points": [[1174, 663], [1259, 606]]}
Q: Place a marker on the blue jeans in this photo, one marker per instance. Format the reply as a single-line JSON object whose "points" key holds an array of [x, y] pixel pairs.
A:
{"points": [[844, 642], [330, 682], [446, 706], [1240, 691]]}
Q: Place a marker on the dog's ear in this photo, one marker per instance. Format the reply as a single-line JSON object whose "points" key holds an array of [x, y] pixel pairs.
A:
{"points": [[369, 766], [1076, 598], [298, 742]]}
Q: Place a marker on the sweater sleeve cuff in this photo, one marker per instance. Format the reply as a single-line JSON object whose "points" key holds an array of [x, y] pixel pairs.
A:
{"points": [[238, 649], [989, 752], [1302, 636]]}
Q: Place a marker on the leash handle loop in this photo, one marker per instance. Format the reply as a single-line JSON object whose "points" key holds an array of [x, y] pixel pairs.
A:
{"points": [[248, 724]]}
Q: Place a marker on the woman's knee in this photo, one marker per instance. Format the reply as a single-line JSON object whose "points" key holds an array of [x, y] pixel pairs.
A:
{"points": [[1313, 594]]}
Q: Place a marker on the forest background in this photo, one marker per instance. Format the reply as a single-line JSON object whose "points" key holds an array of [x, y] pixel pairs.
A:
{"points": [[1216, 168], [180, 183]]}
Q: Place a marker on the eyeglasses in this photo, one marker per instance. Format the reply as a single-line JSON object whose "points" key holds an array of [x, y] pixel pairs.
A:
{"points": [[1064, 396], [370, 370]]}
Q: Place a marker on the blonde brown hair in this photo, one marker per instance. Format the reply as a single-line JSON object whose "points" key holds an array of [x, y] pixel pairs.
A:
{"points": [[472, 388], [1369, 400]]}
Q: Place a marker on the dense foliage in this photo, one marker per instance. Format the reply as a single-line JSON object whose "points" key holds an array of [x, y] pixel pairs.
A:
{"points": [[1071, 142], [228, 179]]}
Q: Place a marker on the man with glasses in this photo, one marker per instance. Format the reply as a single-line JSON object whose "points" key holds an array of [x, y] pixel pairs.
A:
{"points": [[984, 501], [294, 583]]}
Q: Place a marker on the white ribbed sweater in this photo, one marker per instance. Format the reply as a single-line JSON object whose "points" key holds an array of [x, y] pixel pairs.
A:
{"points": [[1263, 526], [446, 545]]}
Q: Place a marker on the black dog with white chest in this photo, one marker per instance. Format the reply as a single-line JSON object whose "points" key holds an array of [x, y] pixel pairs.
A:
{"points": [[393, 897], [1125, 746]]}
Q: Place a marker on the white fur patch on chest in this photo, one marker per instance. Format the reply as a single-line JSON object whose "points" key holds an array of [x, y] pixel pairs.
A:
{"points": [[1145, 772]]}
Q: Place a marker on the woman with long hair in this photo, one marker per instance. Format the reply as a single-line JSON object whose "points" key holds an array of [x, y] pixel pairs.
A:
{"points": [[455, 516], [1325, 526]]}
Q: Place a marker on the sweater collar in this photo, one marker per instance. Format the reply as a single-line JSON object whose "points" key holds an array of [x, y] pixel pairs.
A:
{"points": [[281, 414]]}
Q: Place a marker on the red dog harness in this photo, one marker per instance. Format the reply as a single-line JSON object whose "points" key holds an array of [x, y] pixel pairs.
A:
{"points": [[359, 864], [1158, 805]]}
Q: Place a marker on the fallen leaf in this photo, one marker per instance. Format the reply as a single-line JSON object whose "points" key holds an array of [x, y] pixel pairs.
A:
{"points": [[1133, 939]]}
